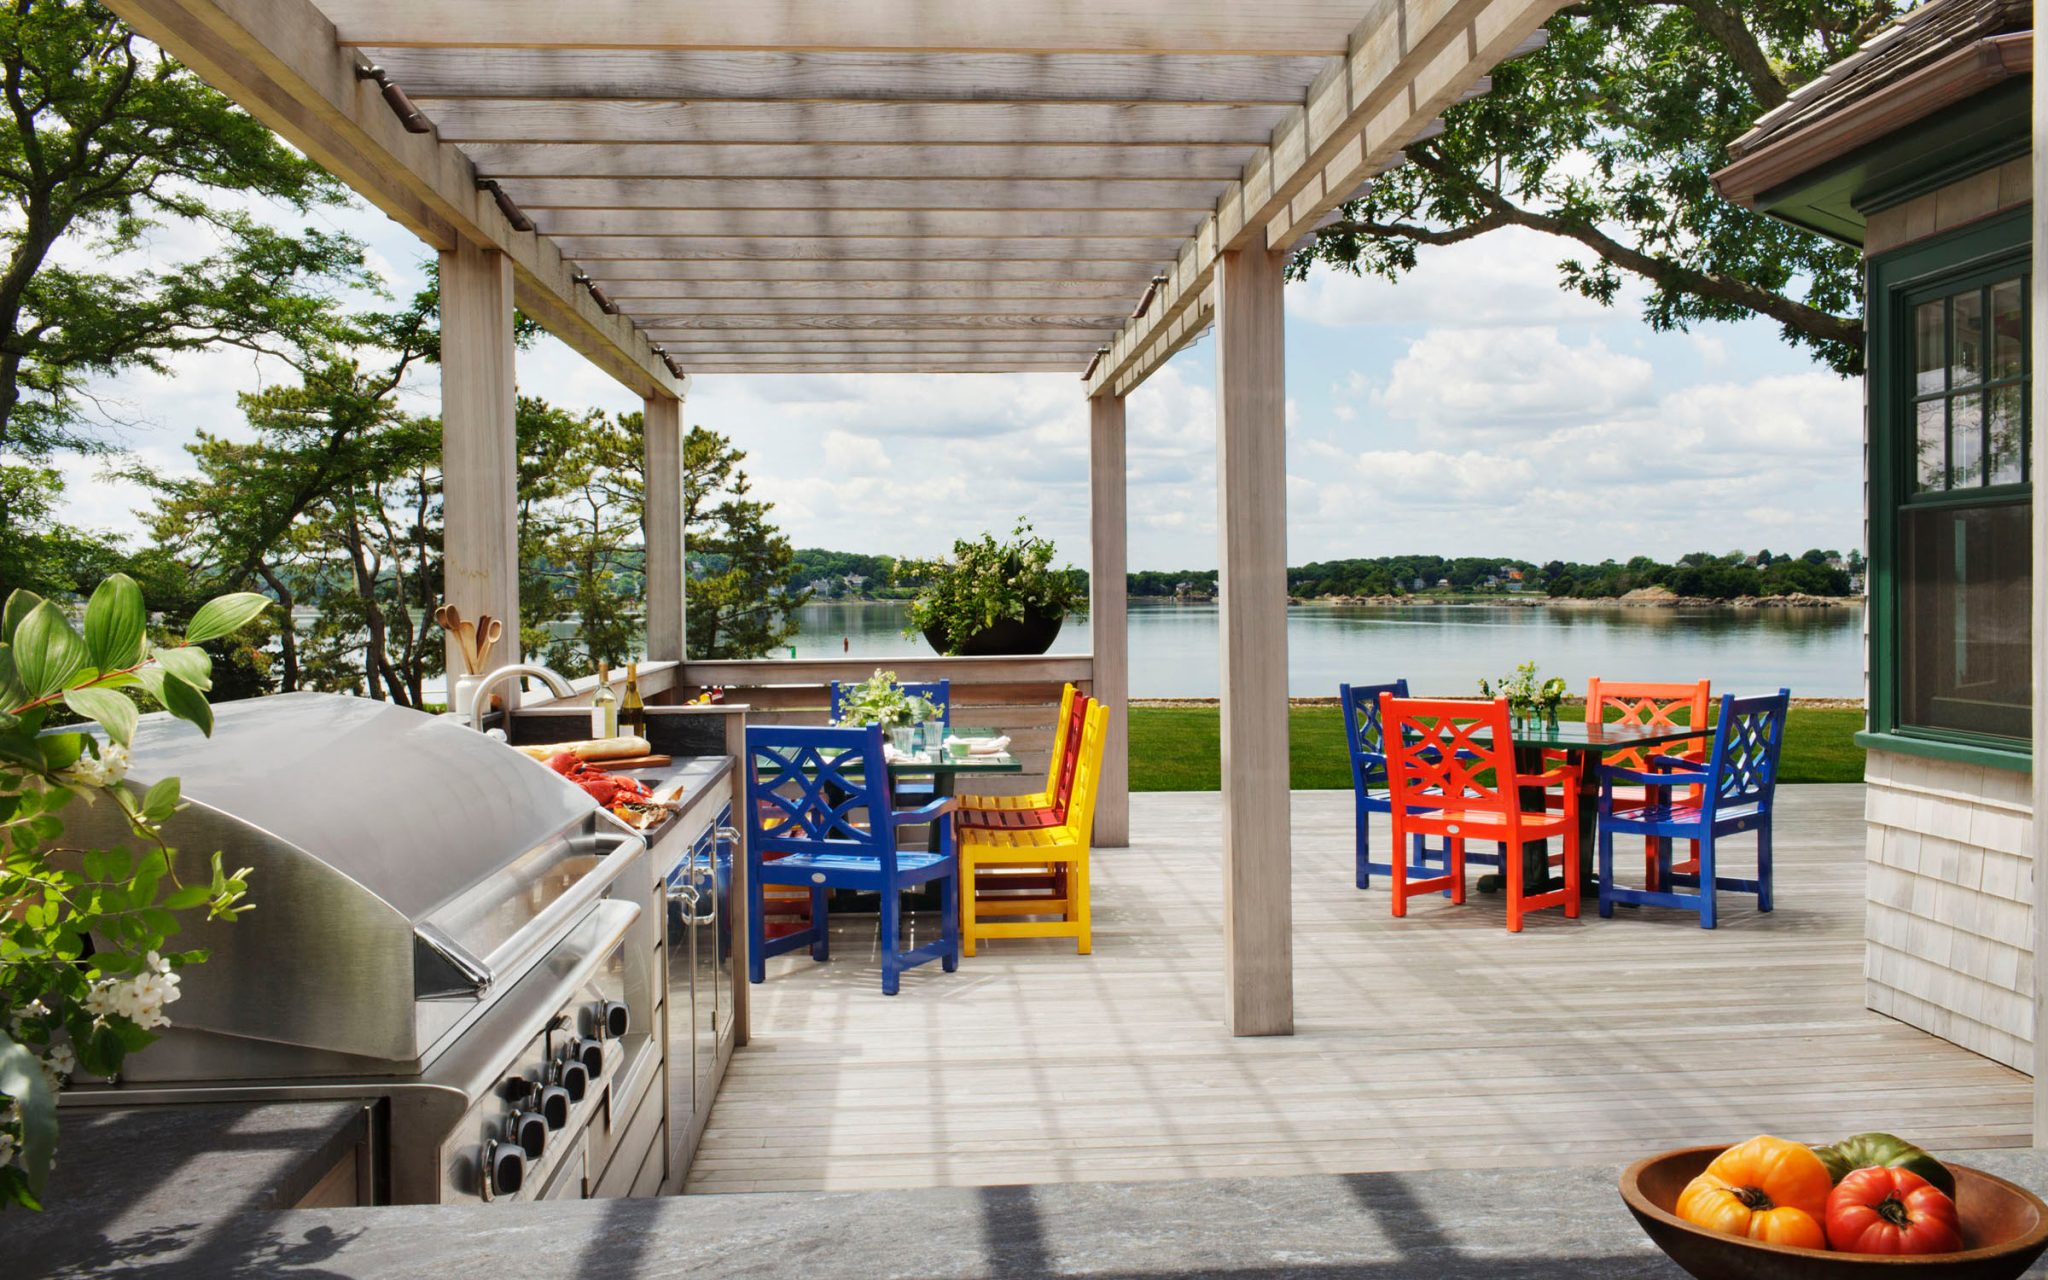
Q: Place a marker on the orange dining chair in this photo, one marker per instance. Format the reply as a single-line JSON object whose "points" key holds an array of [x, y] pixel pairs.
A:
{"points": [[1663, 706], [1451, 774]]}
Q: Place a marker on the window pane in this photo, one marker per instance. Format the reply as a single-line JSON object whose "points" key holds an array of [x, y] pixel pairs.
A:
{"points": [[1930, 347], [2007, 428], [1966, 351], [1965, 442], [2008, 330], [1930, 448], [1964, 629]]}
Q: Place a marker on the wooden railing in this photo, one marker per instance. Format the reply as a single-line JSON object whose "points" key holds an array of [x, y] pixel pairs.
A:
{"points": [[1018, 696]]}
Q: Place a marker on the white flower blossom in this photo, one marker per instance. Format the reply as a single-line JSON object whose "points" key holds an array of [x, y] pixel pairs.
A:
{"points": [[22, 1016], [108, 768], [7, 1148], [60, 1061]]}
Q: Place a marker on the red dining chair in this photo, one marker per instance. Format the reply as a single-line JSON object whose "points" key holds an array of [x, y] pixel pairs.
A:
{"points": [[1451, 774], [1663, 706]]}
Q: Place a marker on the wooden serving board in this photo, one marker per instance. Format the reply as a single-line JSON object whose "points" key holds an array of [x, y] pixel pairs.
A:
{"points": [[631, 762]]}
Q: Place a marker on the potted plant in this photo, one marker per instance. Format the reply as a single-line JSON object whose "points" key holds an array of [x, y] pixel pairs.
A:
{"points": [[880, 700], [1527, 699], [993, 597]]}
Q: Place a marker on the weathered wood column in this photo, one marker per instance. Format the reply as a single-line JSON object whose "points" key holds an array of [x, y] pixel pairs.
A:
{"points": [[1251, 540], [479, 447], [663, 526], [1108, 541]]}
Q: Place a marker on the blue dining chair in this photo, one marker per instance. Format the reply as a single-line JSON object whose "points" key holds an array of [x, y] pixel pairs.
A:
{"points": [[1366, 741], [1737, 786], [819, 817]]}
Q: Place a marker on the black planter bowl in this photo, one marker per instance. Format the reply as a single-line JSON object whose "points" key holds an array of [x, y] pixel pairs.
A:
{"points": [[1033, 635], [2005, 1227]]}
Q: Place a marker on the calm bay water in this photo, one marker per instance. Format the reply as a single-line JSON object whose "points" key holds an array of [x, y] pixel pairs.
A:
{"points": [[1442, 649]]}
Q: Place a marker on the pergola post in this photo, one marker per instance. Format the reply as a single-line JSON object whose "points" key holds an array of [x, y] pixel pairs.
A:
{"points": [[479, 446], [1251, 537], [662, 523], [1108, 593]]}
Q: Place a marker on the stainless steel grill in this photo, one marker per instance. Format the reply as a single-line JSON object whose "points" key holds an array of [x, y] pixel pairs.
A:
{"points": [[439, 920]]}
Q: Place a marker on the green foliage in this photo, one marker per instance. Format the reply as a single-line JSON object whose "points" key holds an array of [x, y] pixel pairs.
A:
{"points": [[1606, 139], [581, 497], [879, 699], [105, 140], [740, 606], [986, 582], [1526, 695], [61, 1010]]}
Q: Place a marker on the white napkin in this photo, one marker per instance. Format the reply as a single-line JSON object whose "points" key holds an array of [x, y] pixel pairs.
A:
{"points": [[989, 746]]}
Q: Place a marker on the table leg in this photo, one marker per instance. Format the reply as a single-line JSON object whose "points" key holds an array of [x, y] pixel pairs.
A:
{"points": [[1536, 876]]}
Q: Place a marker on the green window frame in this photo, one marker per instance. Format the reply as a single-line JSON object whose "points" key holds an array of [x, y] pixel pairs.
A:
{"points": [[1932, 450]]}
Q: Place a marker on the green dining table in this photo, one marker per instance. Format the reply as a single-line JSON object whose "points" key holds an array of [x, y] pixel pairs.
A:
{"points": [[946, 770], [1589, 743]]}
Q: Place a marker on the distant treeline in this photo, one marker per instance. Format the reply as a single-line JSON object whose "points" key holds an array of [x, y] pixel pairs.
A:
{"points": [[1703, 574]]}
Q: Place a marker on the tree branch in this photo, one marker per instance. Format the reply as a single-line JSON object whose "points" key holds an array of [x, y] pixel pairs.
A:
{"points": [[1729, 31]]}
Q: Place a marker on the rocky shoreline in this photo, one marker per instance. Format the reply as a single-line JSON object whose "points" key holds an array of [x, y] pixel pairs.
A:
{"points": [[1641, 598]]}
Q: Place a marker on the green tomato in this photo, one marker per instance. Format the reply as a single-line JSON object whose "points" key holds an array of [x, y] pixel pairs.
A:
{"points": [[1884, 1151]]}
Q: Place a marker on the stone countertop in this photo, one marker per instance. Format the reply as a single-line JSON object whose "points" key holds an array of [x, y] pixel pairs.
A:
{"points": [[118, 1167], [1455, 1225]]}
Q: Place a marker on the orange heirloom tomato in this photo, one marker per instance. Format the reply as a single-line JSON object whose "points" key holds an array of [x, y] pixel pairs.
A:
{"points": [[1892, 1211], [1765, 1189]]}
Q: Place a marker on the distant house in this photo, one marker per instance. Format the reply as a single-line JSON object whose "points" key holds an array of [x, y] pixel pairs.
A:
{"points": [[1418, 584], [1516, 582], [855, 581], [819, 586], [1443, 584]]}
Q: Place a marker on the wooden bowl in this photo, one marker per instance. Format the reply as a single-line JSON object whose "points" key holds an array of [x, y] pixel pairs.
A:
{"points": [[2005, 1226]]}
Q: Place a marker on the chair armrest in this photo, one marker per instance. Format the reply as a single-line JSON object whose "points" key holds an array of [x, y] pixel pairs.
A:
{"points": [[932, 812], [1679, 760], [1636, 777], [1563, 773]]}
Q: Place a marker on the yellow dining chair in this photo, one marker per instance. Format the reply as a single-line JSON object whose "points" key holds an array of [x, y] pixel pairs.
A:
{"points": [[1036, 872], [1047, 798]]}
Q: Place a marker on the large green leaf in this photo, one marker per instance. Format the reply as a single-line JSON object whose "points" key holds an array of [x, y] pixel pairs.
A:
{"points": [[224, 615], [187, 703], [191, 664], [47, 652], [114, 619], [21, 1078], [19, 605], [113, 710]]}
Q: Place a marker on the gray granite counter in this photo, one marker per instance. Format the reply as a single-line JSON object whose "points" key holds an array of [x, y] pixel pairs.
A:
{"points": [[1497, 1224]]}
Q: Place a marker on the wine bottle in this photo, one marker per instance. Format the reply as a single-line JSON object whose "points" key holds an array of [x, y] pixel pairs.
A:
{"points": [[632, 711], [604, 707]]}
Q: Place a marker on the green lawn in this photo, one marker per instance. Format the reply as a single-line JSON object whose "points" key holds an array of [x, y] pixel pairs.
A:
{"points": [[1175, 748]]}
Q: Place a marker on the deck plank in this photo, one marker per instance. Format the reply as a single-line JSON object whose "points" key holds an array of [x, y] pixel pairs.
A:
{"points": [[1435, 1042]]}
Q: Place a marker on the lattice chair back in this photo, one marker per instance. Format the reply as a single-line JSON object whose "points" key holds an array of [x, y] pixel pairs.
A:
{"points": [[1080, 822], [937, 692], [815, 790], [1362, 732], [1661, 706], [1747, 741], [1448, 751]]}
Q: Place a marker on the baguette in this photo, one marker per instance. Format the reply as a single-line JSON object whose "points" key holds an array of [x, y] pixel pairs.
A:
{"points": [[592, 749]]}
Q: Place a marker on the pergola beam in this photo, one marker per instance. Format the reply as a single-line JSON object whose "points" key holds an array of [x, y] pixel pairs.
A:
{"points": [[597, 249], [1408, 61], [1172, 224], [280, 60], [773, 272], [776, 192], [655, 297], [790, 75], [1048, 161], [1093, 310], [535, 120], [1301, 27]]}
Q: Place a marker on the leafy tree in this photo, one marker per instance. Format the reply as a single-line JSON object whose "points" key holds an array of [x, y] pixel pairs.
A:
{"points": [[1606, 138], [582, 547], [103, 139], [739, 604]]}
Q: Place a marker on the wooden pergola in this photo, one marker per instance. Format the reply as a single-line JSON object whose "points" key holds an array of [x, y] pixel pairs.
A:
{"points": [[685, 187]]}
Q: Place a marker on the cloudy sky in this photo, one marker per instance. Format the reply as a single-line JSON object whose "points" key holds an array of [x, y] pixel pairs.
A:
{"points": [[1474, 408]]}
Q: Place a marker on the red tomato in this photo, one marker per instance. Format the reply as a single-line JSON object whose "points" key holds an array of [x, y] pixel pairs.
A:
{"points": [[1893, 1211]]}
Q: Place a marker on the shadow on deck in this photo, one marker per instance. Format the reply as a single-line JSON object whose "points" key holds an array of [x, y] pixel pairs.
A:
{"points": [[1439, 1041]]}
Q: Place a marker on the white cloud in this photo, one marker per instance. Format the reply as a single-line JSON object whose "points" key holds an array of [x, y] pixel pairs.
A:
{"points": [[1503, 380], [1507, 277]]}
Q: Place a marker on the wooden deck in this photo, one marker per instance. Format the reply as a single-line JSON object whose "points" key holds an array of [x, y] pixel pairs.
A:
{"points": [[1439, 1041]]}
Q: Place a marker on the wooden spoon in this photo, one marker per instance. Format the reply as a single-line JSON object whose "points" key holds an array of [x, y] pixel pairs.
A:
{"points": [[489, 631]]}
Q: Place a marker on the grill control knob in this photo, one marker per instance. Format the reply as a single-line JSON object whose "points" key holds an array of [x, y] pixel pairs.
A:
{"points": [[573, 1076], [530, 1130], [613, 1017], [554, 1105], [504, 1169], [590, 1053]]}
